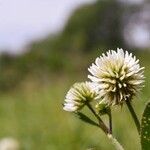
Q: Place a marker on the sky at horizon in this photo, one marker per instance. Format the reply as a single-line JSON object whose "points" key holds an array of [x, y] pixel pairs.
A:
{"points": [[23, 21]]}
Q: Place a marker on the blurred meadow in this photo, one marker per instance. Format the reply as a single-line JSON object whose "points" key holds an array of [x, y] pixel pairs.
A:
{"points": [[33, 84]]}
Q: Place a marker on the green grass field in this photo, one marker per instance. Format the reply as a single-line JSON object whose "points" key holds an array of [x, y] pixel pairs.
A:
{"points": [[34, 115]]}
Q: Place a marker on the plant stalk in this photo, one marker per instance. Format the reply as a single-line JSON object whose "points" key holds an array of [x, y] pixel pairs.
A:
{"points": [[114, 141], [106, 130], [110, 121], [101, 123], [134, 116]]}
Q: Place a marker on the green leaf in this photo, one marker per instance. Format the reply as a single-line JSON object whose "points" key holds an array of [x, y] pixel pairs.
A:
{"points": [[145, 128], [86, 119]]}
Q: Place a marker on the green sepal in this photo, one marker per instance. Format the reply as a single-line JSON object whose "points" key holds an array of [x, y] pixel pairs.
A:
{"points": [[85, 119]]}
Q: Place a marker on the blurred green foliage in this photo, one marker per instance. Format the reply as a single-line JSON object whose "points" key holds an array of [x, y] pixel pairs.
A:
{"points": [[91, 27], [35, 117]]}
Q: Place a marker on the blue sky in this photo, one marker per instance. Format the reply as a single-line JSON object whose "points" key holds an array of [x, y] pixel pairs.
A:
{"points": [[22, 21]]}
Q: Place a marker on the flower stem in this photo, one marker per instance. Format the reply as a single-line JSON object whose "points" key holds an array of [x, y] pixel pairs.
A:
{"points": [[134, 116], [114, 141], [110, 121], [101, 123], [106, 130]]}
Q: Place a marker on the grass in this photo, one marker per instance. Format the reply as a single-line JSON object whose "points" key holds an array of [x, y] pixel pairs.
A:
{"points": [[33, 115]]}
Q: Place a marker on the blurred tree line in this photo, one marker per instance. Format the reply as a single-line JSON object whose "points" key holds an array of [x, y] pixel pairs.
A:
{"points": [[90, 29]]}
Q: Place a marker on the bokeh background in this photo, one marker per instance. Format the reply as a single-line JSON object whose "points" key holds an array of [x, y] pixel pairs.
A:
{"points": [[48, 45]]}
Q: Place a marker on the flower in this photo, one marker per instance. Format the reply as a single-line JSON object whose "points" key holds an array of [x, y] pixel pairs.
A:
{"points": [[9, 143], [118, 76], [102, 108], [78, 95]]}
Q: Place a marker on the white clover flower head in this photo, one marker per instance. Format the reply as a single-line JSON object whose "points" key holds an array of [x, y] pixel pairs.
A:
{"points": [[78, 95], [118, 76]]}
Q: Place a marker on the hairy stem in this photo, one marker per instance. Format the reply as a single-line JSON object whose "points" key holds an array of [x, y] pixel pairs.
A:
{"points": [[114, 141], [106, 130], [134, 116]]}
